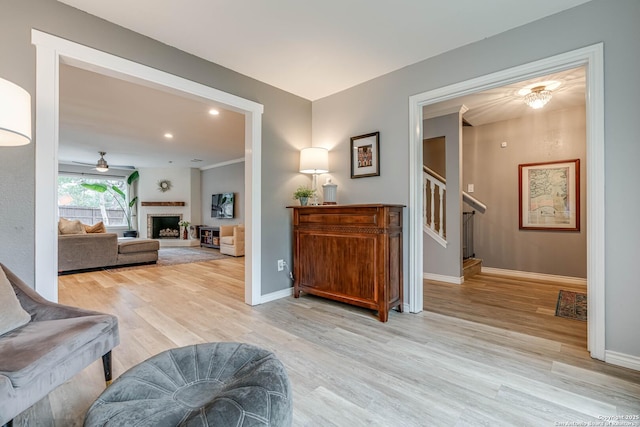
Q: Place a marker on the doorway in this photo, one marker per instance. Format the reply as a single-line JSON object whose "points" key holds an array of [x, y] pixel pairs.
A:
{"points": [[590, 57], [51, 52]]}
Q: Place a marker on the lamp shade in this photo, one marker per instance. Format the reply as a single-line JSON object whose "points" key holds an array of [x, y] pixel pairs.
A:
{"points": [[314, 160], [15, 114]]}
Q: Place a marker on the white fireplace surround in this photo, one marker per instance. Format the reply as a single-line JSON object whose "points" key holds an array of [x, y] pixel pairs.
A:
{"points": [[157, 215]]}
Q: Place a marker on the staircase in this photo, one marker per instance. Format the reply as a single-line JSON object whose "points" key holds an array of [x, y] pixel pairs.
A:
{"points": [[434, 218]]}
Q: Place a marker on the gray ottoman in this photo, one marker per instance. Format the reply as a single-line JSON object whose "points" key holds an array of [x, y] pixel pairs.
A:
{"points": [[214, 384]]}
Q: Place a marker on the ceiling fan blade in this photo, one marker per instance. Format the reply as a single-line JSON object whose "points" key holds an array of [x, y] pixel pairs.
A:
{"points": [[93, 165], [83, 163]]}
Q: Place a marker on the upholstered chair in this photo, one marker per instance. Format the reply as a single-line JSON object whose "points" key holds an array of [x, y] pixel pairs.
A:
{"points": [[45, 346], [232, 240]]}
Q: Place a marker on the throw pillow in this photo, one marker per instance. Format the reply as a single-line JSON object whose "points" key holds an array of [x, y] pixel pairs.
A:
{"points": [[66, 226], [12, 315], [95, 228]]}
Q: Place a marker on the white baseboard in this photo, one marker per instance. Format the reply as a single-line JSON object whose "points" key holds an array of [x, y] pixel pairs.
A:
{"points": [[442, 278], [621, 359], [276, 295], [578, 281]]}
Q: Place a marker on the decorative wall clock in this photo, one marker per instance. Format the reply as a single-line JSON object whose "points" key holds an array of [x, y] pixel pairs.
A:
{"points": [[164, 185]]}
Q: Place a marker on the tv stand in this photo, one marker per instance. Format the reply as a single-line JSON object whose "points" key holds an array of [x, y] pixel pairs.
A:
{"points": [[210, 237]]}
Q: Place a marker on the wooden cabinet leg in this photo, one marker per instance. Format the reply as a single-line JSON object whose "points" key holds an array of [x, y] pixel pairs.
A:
{"points": [[106, 365]]}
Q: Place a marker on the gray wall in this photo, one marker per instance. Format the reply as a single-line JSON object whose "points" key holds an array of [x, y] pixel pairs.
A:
{"points": [[224, 179], [382, 104], [286, 124], [433, 155], [541, 137]]}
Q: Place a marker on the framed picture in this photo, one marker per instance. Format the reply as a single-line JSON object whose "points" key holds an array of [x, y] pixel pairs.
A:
{"points": [[365, 155], [550, 195]]}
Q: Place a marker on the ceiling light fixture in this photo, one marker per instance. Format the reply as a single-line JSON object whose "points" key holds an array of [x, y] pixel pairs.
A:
{"points": [[168, 135], [214, 112], [102, 165], [538, 97]]}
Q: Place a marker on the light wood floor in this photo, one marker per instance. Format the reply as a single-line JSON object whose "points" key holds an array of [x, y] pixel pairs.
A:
{"points": [[346, 368], [521, 305]]}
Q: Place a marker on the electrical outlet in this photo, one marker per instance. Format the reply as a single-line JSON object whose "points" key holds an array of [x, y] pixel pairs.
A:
{"points": [[280, 264]]}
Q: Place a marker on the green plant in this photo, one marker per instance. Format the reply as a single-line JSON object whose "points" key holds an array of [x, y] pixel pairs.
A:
{"points": [[303, 191], [184, 224], [118, 195]]}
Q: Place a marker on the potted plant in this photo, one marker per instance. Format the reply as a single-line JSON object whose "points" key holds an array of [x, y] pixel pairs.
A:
{"points": [[303, 193], [121, 198], [185, 232]]}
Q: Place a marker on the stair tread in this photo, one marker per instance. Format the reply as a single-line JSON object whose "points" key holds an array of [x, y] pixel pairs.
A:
{"points": [[471, 267]]}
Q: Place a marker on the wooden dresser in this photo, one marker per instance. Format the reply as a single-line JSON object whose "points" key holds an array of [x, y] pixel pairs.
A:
{"points": [[350, 253]]}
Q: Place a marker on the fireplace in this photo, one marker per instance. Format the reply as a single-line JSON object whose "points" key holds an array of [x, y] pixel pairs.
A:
{"points": [[164, 226]]}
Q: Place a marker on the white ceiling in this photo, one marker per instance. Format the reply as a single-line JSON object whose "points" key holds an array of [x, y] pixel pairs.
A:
{"points": [[504, 103], [316, 48], [309, 49], [128, 121]]}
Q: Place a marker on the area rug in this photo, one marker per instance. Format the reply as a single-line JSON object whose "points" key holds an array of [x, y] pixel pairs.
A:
{"points": [[178, 255], [572, 305]]}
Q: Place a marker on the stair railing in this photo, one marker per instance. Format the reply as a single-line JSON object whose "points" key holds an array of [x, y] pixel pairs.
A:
{"points": [[433, 206], [467, 235], [434, 187]]}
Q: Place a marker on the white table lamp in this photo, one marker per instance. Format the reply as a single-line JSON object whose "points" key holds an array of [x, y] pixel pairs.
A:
{"points": [[314, 160], [15, 114]]}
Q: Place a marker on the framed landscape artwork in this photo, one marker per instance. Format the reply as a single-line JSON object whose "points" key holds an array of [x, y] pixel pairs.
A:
{"points": [[365, 155], [549, 195]]}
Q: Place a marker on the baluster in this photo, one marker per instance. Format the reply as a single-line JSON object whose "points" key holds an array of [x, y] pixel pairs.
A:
{"points": [[441, 232], [432, 222], [425, 185]]}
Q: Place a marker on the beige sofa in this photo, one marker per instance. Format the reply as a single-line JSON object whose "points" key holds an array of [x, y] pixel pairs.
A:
{"points": [[232, 240], [96, 250]]}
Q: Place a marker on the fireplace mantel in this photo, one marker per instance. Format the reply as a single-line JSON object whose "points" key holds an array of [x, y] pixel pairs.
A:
{"points": [[162, 203]]}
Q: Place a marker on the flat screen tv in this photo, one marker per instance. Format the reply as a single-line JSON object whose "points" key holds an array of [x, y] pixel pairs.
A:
{"points": [[222, 205]]}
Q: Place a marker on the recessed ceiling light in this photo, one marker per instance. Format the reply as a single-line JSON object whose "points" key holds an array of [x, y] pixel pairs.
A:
{"points": [[214, 112], [168, 135], [196, 160]]}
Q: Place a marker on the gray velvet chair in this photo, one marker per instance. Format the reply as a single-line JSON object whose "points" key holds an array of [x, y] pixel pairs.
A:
{"points": [[58, 342]]}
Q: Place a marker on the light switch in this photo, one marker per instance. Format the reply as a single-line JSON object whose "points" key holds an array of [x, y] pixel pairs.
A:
{"points": [[470, 188]]}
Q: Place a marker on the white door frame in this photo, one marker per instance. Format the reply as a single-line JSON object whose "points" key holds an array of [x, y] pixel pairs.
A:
{"points": [[590, 57], [50, 52]]}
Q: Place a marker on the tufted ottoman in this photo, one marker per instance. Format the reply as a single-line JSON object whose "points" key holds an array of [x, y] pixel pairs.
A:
{"points": [[214, 384]]}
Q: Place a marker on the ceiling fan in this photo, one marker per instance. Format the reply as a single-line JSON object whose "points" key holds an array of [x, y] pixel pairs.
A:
{"points": [[102, 165]]}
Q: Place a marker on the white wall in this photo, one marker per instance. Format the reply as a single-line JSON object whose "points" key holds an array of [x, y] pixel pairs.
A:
{"points": [[183, 181]]}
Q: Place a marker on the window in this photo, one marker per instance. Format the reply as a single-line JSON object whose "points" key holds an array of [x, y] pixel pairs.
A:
{"points": [[89, 206]]}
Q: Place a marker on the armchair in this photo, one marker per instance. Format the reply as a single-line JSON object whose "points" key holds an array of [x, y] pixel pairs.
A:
{"points": [[232, 240], [58, 342]]}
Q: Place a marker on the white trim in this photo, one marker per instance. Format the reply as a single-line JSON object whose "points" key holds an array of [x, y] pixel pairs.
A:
{"points": [[219, 165], [592, 58], [435, 236], [442, 278], [576, 281], [284, 293], [621, 359], [50, 51]]}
